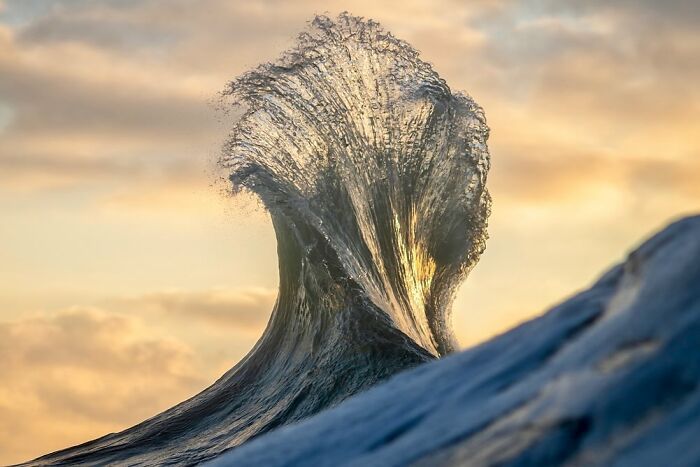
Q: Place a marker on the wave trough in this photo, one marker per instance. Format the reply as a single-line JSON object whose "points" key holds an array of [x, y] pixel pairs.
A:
{"points": [[374, 174]]}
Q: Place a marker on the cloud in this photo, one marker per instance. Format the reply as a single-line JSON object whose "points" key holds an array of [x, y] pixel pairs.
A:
{"points": [[241, 309], [550, 175], [93, 97], [680, 13], [77, 373], [108, 32], [655, 177], [31, 173], [70, 116]]}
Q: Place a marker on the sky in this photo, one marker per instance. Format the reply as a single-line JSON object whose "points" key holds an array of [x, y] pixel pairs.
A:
{"points": [[130, 280]]}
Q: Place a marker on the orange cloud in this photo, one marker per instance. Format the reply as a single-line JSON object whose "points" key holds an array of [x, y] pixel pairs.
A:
{"points": [[531, 174], [242, 309], [80, 373]]}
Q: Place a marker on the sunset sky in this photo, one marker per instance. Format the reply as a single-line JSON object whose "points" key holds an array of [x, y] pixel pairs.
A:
{"points": [[130, 281]]}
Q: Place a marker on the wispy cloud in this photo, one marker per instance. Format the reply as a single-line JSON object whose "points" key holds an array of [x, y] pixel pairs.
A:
{"points": [[246, 310]]}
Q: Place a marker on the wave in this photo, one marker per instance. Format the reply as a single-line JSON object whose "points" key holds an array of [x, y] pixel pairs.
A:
{"points": [[374, 175]]}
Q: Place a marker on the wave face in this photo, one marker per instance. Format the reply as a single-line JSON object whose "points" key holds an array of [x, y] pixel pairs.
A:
{"points": [[374, 174]]}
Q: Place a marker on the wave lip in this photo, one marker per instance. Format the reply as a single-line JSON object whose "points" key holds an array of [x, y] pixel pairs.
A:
{"points": [[373, 172], [353, 142]]}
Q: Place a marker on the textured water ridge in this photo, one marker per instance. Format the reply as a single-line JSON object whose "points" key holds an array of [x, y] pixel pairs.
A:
{"points": [[373, 172]]}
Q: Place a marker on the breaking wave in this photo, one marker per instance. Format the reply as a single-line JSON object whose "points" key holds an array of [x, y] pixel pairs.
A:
{"points": [[373, 172]]}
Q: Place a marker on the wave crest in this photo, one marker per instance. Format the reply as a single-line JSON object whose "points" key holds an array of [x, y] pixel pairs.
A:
{"points": [[351, 135]]}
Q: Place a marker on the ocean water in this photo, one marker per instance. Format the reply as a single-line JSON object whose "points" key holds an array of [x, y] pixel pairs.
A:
{"points": [[609, 377], [374, 174]]}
